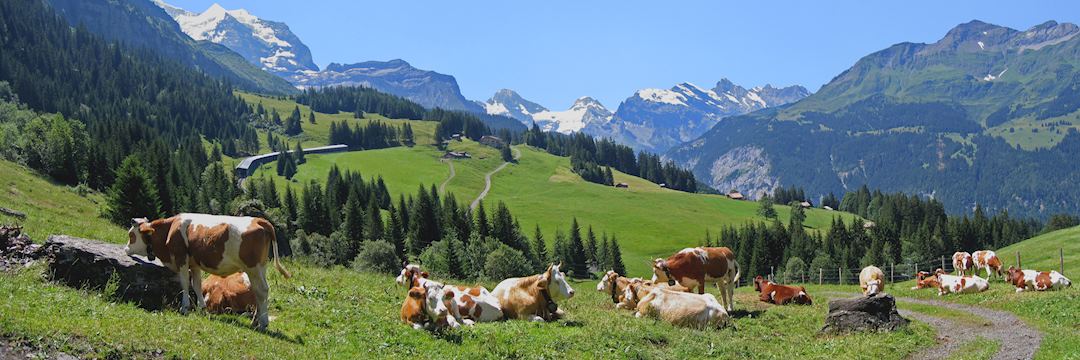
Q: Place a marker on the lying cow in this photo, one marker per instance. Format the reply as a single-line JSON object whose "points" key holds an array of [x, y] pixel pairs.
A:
{"points": [[925, 280], [221, 245], [871, 280], [472, 304], [429, 307], [780, 294], [694, 267], [951, 284], [1036, 280], [679, 308], [229, 295], [533, 297], [987, 260], [615, 284], [962, 262]]}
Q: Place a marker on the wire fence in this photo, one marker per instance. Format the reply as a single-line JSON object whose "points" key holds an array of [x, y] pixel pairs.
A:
{"points": [[897, 272]]}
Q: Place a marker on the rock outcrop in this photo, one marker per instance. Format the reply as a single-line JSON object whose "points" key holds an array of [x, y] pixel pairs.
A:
{"points": [[90, 264], [873, 313]]}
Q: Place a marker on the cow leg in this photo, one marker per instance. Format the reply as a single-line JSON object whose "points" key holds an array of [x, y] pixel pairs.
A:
{"points": [[185, 285], [729, 295], [701, 286], [257, 276], [196, 284]]}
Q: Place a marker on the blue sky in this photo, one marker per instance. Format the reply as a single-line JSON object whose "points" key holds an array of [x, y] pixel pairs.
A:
{"points": [[553, 52]]}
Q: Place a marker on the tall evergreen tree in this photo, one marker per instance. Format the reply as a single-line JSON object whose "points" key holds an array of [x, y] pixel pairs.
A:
{"points": [[578, 266], [590, 249], [616, 256], [539, 246], [132, 195], [374, 224], [298, 153]]}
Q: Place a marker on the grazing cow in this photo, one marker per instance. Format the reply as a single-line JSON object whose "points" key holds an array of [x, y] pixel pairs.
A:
{"points": [[987, 260], [473, 304], [229, 295], [962, 262], [534, 297], [679, 308], [429, 307], [924, 280], [1036, 280], [221, 245], [781, 294], [615, 284], [960, 284], [871, 280], [694, 267]]}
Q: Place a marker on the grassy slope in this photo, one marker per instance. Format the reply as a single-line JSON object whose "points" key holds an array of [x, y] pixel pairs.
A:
{"points": [[1041, 252], [51, 208], [341, 313], [540, 189]]}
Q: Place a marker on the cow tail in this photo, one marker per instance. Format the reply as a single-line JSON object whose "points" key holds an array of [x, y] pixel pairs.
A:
{"points": [[277, 258], [738, 271]]}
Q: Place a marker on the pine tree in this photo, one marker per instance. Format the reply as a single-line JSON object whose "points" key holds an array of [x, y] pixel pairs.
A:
{"points": [[298, 153], [132, 194], [560, 249], [374, 224], [539, 247], [615, 254], [311, 117], [578, 266], [480, 221], [291, 211], [453, 263], [354, 220], [766, 207], [395, 232], [602, 257], [506, 154], [590, 249]]}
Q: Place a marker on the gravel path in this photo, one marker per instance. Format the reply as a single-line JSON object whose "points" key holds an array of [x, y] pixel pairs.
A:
{"points": [[1017, 339], [487, 180], [442, 187]]}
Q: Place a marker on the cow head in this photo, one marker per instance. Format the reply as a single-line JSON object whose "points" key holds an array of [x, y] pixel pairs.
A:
{"points": [[554, 281], [630, 293], [607, 281], [758, 283], [434, 299], [802, 298], [139, 238], [873, 287], [409, 274], [661, 272], [1015, 276]]}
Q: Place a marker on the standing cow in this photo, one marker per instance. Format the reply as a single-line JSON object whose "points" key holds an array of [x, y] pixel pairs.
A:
{"points": [[221, 245], [987, 260], [694, 267], [962, 262]]}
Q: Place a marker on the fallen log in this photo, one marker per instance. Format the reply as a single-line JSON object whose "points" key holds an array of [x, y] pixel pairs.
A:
{"points": [[91, 264], [13, 213]]}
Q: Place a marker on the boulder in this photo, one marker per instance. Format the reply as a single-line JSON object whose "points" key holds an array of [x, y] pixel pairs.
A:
{"points": [[873, 313], [16, 249], [90, 264]]}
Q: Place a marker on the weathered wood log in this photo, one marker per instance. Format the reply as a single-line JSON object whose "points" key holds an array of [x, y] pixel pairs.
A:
{"points": [[864, 313], [90, 264], [12, 213]]}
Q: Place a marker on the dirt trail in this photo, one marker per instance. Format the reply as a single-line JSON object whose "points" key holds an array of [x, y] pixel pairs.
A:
{"points": [[487, 180], [442, 187], [1017, 339]]}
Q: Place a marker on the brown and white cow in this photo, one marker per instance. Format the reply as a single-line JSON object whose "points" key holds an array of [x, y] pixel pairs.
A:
{"points": [[871, 280], [679, 308], [614, 284], [694, 267], [962, 263], [221, 245], [1036, 280], [534, 297], [473, 304], [987, 260], [951, 284], [925, 280], [229, 295], [780, 294], [429, 307]]}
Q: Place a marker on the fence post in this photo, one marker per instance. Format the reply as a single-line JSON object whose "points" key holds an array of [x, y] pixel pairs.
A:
{"points": [[916, 266], [840, 274], [943, 263], [1061, 260], [771, 278], [820, 275], [1018, 259], [892, 273]]}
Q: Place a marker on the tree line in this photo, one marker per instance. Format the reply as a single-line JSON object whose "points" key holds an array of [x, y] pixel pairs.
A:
{"points": [[899, 228], [373, 135], [590, 155]]}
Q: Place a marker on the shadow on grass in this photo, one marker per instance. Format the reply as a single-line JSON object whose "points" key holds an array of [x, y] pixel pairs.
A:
{"points": [[243, 322], [742, 313], [447, 335]]}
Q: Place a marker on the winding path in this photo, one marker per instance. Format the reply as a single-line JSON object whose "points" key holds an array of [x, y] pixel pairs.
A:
{"points": [[1017, 339], [487, 180], [442, 187]]}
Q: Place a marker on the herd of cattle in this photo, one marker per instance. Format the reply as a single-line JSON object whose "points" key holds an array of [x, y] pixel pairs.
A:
{"points": [[235, 251], [965, 263]]}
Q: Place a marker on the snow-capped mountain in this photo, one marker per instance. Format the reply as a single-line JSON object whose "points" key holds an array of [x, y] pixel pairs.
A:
{"points": [[658, 119], [425, 87], [584, 112], [268, 44]]}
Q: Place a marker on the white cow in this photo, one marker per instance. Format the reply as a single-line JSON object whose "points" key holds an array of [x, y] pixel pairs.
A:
{"points": [[699, 311], [960, 284]]}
